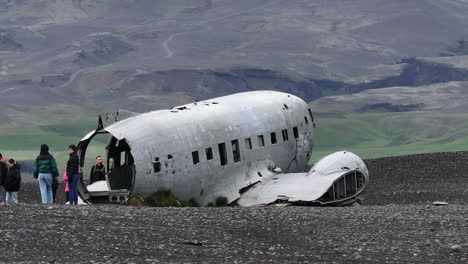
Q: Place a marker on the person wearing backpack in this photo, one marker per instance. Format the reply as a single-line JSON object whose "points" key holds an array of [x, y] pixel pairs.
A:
{"points": [[45, 170]]}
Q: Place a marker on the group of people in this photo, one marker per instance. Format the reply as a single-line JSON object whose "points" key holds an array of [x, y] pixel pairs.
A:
{"points": [[10, 179], [46, 174]]}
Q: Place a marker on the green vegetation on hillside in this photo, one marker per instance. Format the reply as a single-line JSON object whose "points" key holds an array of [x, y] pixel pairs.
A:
{"points": [[23, 143], [375, 135], [369, 135]]}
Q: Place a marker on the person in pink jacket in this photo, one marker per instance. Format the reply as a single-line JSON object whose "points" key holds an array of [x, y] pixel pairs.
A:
{"points": [[67, 188]]}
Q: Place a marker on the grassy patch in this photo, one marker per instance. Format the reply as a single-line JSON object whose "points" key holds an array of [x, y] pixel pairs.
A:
{"points": [[375, 135], [165, 198], [23, 143], [136, 201], [220, 201]]}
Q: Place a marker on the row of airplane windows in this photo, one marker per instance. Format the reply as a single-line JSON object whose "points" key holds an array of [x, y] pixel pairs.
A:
{"points": [[235, 148]]}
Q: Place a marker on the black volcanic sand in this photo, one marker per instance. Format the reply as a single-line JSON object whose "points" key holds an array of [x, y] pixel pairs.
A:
{"points": [[418, 179], [396, 224]]}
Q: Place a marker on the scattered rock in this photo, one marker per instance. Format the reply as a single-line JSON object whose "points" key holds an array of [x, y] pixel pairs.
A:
{"points": [[437, 203], [456, 248], [192, 243]]}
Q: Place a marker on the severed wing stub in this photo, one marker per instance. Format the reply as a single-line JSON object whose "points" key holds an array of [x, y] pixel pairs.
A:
{"points": [[336, 179]]}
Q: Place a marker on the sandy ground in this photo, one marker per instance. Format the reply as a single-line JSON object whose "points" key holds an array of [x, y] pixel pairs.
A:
{"points": [[397, 223]]}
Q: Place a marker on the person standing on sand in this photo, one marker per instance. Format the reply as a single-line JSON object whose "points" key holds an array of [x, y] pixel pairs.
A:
{"points": [[98, 171], [12, 182], [45, 169], [55, 185], [3, 171], [67, 187], [73, 172]]}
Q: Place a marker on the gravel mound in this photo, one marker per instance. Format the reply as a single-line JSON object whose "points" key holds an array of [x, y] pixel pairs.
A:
{"points": [[397, 223], [418, 179]]}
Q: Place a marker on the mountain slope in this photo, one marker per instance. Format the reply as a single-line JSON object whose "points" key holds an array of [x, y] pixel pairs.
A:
{"points": [[63, 61]]}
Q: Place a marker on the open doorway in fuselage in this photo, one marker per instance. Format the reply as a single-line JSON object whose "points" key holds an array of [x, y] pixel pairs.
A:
{"points": [[121, 165], [118, 163], [96, 147]]}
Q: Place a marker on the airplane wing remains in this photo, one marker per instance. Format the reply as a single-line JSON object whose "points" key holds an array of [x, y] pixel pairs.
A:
{"points": [[336, 179]]}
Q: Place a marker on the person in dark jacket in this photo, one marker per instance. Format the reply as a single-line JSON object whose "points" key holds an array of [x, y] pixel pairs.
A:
{"points": [[73, 171], [3, 171], [12, 182], [55, 185], [45, 170], [98, 171]]}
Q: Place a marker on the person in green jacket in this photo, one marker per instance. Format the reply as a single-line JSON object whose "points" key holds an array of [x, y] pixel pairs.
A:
{"points": [[45, 170]]}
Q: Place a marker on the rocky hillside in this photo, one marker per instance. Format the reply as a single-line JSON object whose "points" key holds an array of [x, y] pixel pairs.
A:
{"points": [[65, 57]]}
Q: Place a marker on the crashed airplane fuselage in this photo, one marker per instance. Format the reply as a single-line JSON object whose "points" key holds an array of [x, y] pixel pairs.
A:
{"points": [[251, 148]]}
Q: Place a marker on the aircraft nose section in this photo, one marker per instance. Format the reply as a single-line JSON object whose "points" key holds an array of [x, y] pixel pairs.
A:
{"points": [[343, 173], [339, 161]]}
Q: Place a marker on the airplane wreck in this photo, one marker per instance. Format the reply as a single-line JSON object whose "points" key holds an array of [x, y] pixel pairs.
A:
{"points": [[252, 148]]}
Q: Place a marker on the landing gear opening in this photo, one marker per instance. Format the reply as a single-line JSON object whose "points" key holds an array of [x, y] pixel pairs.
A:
{"points": [[119, 168]]}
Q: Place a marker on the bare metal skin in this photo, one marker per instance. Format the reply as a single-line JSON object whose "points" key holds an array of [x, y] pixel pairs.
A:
{"points": [[233, 146]]}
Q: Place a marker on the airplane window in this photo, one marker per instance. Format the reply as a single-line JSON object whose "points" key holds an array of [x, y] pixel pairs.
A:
{"points": [[285, 134], [296, 132], [222, 153], [306, 120], [261, 142], [235, 150], [209, 153], [157, 166], [195, 157], [311, 116], [273, 137], [248, 143]]}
